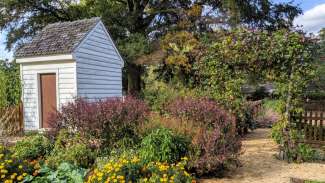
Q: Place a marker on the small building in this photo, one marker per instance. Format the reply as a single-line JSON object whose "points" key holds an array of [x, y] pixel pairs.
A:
{"points": [[67, 60]]}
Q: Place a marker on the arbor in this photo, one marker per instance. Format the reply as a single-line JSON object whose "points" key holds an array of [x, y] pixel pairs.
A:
{"points": [[283, 57]]}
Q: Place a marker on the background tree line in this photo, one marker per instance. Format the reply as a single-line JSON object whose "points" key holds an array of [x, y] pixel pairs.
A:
{"points": [[137, 25]]}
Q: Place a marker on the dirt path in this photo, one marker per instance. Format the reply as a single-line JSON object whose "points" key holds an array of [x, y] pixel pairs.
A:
{"points": [[260, 165]]}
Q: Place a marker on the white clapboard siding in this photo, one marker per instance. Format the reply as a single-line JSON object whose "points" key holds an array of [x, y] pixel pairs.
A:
{"points": [[66, 87], [99, 66]]}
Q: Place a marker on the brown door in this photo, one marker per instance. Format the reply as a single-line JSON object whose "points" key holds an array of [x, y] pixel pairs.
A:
{"points": [[48, 97]]}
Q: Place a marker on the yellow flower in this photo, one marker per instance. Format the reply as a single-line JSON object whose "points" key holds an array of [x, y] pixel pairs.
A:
{"points": [[4, 171], [19, 178], [13, 176], [186, 174], [8, 181], [20, 166], [24, 174], [2, 167], [3, 176]]}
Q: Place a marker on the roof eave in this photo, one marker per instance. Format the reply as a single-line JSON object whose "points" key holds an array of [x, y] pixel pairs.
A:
{"points": [[45, 58]]}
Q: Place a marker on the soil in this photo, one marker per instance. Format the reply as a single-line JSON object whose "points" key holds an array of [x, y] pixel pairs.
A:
{"points": [[260, 165]]}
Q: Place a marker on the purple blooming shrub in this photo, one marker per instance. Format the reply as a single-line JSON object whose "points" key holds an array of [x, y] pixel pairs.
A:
{"points": [[109, 120], [215, 144]]}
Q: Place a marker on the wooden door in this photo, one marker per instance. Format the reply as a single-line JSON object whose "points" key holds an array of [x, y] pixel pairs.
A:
{"points": [[48, 98]]}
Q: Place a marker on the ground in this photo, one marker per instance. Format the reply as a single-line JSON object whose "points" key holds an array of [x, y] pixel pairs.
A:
{"points": [[259, 164]]}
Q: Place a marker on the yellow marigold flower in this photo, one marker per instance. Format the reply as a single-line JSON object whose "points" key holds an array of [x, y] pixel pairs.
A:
{"points": [[4, 171], [19, 178]]}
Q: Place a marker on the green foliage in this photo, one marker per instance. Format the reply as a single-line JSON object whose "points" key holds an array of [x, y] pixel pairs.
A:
{"points": [[277, 131], [282, 57], [32, 147], [65, 172], [158, 93], [10, 86], [164, 146], [71, 148], [305, 152], [274, 104]]}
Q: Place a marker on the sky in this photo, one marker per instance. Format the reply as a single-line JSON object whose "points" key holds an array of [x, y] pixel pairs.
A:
{"points": [[312, 20]]}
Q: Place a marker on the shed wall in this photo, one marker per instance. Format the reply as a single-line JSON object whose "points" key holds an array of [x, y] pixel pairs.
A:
{"points": [[99, 67], [66, 87]]}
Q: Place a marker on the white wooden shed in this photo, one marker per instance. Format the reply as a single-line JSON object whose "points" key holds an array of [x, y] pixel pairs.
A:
{"points": [[67, 60]]}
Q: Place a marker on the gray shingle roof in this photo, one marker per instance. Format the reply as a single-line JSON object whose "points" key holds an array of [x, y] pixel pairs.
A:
{"points": [[57, 38]]}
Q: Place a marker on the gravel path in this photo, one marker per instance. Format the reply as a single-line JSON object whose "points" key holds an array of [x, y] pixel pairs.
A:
{"points": [[261, 166]]}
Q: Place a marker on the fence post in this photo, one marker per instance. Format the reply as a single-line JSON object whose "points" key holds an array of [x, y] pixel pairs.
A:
{"points": [[21, 117]]}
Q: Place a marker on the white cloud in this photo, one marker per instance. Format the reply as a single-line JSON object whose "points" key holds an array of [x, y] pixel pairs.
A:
{"points": [[312, 20]]}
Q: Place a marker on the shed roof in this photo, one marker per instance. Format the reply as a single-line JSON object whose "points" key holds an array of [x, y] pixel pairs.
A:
{"points": [[58, 38]]}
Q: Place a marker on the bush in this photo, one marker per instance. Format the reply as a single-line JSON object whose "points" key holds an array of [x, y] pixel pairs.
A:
{"points": [[64, 173], [110, 120], [164, 146], [132, 169], [215, 143], [158, 93], [13, 169], [71, 148], [32, 147]]}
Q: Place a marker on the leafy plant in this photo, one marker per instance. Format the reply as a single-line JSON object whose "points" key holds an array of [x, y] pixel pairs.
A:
{"points": [[164, 146], [71, 148], [10, 86], [65, 172], [109, 120], [133, 169], [32, 147], [215, 143], [305, 153], [13, 169]]}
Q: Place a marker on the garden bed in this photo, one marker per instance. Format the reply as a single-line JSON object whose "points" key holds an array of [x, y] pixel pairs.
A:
{"points": [[259, 164]]}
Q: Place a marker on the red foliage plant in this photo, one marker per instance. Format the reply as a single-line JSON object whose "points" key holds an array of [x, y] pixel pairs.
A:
{"points": [[216, 142], [111, 119]]}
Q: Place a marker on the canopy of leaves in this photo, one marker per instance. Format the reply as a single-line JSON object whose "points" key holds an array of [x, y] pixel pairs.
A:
{"points": [[283, 57]]}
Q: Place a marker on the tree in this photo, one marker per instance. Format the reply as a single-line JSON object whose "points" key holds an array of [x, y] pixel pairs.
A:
{"points": [[151, 19]]}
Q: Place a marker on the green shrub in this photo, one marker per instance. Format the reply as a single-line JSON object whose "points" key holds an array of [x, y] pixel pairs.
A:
{"points": [[164, 146], [277, 131], [306, 153], [71, 148], [64, 173], [32, 147]]}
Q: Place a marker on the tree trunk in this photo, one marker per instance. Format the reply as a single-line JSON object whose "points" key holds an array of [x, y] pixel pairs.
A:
{"points": [[134, 79]]}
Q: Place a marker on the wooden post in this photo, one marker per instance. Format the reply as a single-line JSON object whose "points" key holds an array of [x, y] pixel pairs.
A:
{"points": [[21, 117], [321, 128], [306, 125]]}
